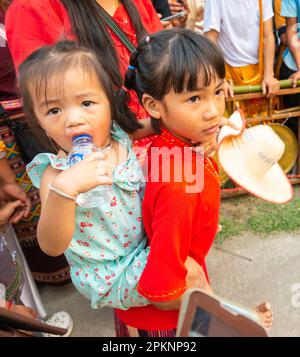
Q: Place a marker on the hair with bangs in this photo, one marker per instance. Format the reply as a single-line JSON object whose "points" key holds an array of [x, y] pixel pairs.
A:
{"points": [[49, 64], [173, 59]]}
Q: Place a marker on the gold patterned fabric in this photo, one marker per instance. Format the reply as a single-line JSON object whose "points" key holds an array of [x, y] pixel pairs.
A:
{"points": [[2, 149]]}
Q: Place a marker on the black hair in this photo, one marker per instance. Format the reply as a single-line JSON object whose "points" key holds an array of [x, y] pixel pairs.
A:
{"points": [[173, 59], [52, 61], [90, 31]]}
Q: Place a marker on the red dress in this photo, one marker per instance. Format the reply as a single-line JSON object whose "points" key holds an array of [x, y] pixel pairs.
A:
{"points": [[33, 24], [178, 224], [8, 89]]}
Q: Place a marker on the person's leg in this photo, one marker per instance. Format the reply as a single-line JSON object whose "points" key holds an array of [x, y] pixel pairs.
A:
{"points": [[265, 313], [290, 101]]}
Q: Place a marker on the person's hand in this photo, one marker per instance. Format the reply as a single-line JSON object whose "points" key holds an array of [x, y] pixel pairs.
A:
{"points": [[91, 172], [295, 77], [270, 85], [14, 192], [228, 89], [211, 145], [24, 310], [165, 24], [9, 212], [176, 7], [195, 276]]}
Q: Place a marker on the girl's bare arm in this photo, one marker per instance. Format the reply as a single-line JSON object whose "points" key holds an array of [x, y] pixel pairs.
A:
{"points": [[57, 221], [195, 279]]}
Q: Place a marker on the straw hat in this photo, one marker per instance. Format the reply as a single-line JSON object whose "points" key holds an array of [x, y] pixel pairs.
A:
{"points": [[290, 154], [250, 157]]}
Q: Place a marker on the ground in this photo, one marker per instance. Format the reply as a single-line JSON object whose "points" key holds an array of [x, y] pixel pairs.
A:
{"points": [[256, 258], [249, 214]]}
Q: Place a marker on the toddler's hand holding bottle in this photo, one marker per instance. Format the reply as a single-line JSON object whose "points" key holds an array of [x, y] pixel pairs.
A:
{"points": [[90, 173]]}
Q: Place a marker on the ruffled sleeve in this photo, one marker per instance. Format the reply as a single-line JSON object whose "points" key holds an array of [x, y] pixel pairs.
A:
{"points": [[119, 135], [128, 175], [38, 165]]}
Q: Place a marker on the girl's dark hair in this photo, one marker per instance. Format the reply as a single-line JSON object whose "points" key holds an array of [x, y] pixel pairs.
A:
{"points": [[173, 59], [52, 62], [90, 31]]}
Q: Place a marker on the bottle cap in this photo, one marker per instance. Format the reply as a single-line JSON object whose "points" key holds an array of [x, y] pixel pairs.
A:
{"points": [[82, 136]]}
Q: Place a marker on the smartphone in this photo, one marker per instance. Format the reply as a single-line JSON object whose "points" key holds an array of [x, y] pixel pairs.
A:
{"points": [[174, 17], [203, 315]]}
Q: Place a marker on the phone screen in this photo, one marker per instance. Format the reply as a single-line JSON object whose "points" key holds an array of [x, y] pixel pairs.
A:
{"points": [[201, 323], [206, 324]]}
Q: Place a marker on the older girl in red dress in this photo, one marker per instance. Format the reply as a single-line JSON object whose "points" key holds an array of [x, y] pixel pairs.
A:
{"points": [[179, 77]]}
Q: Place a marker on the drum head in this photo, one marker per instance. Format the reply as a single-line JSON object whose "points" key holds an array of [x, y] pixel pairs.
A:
{"points": [[290, 154]]}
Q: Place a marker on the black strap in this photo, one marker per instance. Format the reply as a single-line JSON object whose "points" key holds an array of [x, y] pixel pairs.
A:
{"points": [[111, 23]]}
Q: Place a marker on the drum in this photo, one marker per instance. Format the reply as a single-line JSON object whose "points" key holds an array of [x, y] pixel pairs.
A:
{"points": [[290, 154]]}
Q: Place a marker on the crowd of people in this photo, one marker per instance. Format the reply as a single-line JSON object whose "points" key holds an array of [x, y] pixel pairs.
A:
{"points": [[117, 70]]}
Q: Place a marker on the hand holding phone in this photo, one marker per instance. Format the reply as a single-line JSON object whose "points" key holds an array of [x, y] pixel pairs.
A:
{"points": [[175, 16]]}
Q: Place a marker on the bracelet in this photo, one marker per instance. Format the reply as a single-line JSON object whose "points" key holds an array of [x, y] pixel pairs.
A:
{"points": [[61, 193]]}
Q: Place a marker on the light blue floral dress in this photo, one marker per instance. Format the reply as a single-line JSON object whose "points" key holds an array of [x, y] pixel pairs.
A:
{"points": [[108, 251]]}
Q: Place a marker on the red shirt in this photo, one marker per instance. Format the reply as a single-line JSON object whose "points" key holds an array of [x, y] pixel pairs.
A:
{"points": [[35, 23], [178, 224], [7, 71]]}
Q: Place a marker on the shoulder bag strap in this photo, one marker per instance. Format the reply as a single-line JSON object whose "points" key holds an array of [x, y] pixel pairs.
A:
{"points": [[111, 23]]}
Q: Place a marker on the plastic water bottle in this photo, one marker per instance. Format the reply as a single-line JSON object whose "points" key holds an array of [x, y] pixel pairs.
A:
{"points": [[82, 146]]}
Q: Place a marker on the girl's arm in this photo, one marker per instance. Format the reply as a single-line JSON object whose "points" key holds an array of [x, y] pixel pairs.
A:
{"points": [[7, 176], [293, 43], [270, 84], [57, 221], [170, 214], [195, 279]]}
